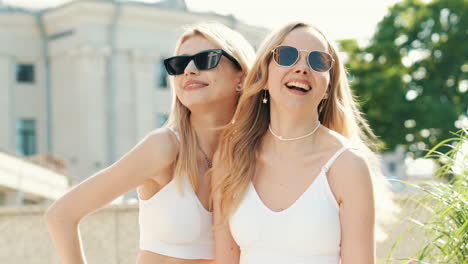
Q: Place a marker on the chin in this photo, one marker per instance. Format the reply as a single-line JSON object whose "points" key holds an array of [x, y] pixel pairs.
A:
{"points": [[295, 105], [202, 102]]}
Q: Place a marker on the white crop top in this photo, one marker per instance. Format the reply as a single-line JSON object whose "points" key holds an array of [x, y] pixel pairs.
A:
{"points": [[176, 224], [307, 232]]}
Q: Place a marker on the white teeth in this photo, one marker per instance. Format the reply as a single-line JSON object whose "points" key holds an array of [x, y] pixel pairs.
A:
{"points": [[194, 84], [298, 84]]}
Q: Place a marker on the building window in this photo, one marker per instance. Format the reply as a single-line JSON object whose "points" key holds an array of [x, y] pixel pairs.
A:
{"points": [[392, 167], [161, 75], [161, 119], [25, 73], [26, 134]]}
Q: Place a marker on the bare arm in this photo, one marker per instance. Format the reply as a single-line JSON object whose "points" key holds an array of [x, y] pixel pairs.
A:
{"points": [[154, 153], [226, 249], [353, 188]]}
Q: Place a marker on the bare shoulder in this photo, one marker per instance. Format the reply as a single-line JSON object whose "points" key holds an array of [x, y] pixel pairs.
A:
{"points": [[161, 144], [350, 174], [164, 139], [350, 164]]}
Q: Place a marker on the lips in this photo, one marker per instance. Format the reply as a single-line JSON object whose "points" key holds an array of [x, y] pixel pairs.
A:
{"points": [[300, 85], [194, 84]]}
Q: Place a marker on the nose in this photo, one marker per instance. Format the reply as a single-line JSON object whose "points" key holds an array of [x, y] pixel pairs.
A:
{"points": [[191, 68], [301, 66]]}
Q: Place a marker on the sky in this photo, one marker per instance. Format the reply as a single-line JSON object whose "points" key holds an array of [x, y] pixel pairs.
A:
{"points": [[340, 19]]}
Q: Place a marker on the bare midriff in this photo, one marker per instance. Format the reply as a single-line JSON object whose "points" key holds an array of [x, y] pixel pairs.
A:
{"points": [[147, 257]]}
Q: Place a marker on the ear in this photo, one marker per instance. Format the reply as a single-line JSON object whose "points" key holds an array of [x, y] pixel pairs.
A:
{"points": [[240, 82], [242, 78]]}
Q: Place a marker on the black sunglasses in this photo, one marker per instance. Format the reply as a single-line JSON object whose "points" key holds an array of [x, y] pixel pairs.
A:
{"points": [[287, 56], [205, 60]]}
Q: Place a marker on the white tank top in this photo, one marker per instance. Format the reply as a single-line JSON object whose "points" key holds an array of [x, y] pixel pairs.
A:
{"points": [[176, 224], [307, 232]]}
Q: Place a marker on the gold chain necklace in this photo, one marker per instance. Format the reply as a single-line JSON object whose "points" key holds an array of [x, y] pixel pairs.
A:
{"points": [[208, 161]]}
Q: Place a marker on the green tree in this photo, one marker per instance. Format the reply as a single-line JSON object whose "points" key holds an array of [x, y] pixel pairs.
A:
{"points": [[412, 77]]}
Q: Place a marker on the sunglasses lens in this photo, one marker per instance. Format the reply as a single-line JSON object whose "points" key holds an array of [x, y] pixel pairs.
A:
{"points": [[208, 59], [285, 55], [320, 61], [176, 65], [204, 60]]}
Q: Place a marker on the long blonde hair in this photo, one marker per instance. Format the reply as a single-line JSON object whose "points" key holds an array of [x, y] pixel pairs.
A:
{"points": [[241, 139], [179, 118]]}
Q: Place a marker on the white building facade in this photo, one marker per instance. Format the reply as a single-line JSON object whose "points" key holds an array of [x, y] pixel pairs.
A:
{"points": [[85, 81]]}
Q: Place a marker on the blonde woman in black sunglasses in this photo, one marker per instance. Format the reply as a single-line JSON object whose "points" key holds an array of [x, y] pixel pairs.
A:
{"points": [[169, 164], [295, 178]]}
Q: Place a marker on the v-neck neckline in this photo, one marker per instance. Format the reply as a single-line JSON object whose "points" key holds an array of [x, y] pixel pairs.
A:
{"points": [[189, 186], [322, 171]]}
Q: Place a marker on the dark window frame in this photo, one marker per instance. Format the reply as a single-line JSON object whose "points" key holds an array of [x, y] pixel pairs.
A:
{"points": [[25, 73], [161, 75], [27, 136]]}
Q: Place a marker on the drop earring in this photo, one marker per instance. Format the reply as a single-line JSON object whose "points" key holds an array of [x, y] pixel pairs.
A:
{"points": [[265, 100]]}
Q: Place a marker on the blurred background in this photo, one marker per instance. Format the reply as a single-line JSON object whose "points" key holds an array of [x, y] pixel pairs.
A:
{"points": [[81, 82]]}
